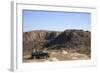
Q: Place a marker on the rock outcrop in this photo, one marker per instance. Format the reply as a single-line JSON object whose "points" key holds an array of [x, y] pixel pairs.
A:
{"points": [[42, 39]]}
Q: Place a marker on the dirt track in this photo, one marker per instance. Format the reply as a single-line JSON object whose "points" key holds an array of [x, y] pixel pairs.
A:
{"points": [[58, 56]]}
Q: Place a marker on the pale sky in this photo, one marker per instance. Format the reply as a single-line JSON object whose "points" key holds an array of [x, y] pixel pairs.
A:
{"points": [[57, 21]]}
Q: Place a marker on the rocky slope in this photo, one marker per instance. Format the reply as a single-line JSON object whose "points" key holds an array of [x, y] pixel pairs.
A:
{"points": [[78, 40]]}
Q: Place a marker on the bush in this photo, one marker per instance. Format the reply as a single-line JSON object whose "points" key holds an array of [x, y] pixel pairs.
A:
{"points": [[85, 50]]}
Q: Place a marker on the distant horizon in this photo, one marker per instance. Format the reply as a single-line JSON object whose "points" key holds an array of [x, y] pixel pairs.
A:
{"points": [[56, 30], [55, 21]]}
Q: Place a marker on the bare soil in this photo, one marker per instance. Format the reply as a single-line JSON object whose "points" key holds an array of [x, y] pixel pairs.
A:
{"points": [[56, 55]]}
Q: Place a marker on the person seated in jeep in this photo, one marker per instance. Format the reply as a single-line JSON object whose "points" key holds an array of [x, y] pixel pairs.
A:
{"points": [[36, 54]]}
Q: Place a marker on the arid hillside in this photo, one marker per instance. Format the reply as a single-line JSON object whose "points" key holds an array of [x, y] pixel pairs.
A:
{"points": [[76, 41]]}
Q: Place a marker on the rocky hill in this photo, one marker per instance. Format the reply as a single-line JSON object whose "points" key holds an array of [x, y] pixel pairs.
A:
{"points": [[78, 40]]}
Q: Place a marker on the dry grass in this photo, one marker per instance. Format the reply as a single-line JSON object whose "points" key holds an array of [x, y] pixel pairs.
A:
{"points": [[56, 55]]}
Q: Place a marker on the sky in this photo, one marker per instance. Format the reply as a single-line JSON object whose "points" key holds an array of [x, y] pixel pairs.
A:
{"points": [[56, 21]]}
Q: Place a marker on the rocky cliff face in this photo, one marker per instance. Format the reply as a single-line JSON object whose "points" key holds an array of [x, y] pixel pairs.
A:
{"points": [[37, 39], [42, 39]]}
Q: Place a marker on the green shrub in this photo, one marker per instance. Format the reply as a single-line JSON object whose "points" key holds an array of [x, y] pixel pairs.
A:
{"points": [[85, 50]]}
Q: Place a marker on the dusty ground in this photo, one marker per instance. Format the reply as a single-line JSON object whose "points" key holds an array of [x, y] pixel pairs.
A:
{"points": [[58, 56]]}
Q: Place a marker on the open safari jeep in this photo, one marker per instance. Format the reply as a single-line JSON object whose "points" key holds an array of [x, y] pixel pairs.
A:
{"points": [[37, 54]]}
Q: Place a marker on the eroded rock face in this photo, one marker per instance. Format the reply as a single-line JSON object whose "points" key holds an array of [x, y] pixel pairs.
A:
{"points": [[42, 39], [37, 39], [71, 39]]}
